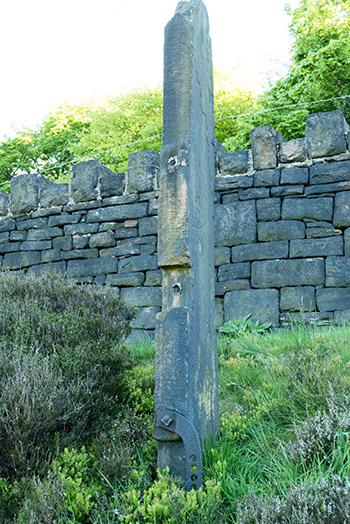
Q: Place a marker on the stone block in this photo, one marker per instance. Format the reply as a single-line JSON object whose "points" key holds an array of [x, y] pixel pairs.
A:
{"points": [[287, 191], [234, 271], [321, 229], [91, 267], [112, 184], [325, 134], [53, 267], [292, 151], [126, 247], [330, 172], [230, 182], [219, 312], [234, 163], [142, 296], [313, 208], [153, 278], [54, 195], [148, 226], [24, 194], [280, 230], [63, 219], [222, 255], [269, 209], [21, 260], [36, 245], [9, 247], [138, 263], [316, 247], [235, 223], [64, 243], [4, 203], [254, 193], [7, 224], [261, 304], [125, 279], [143, 170], [81, 241], [4, 237], [342, 209], [333, 299], [145, 318], [268, 177], [126, 233], [231, 197], [80, 229], [301, 298], [85, 178], [123, 212], [346, 242], [103, 240], [265, 141], [153, 206], [260, 251], [295, 175], [221, 288], [282, 273], [51, 255], [44, 234], [18, 235], [327, 189], [314, 318], [75, 254], [338, 271], [35, 223], [148, 249]]}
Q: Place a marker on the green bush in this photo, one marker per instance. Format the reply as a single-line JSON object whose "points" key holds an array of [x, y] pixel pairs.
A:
{"points": [[62, 366]]}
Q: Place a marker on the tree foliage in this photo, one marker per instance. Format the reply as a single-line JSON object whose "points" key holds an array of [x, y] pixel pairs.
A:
{"points": [[110, 129]]}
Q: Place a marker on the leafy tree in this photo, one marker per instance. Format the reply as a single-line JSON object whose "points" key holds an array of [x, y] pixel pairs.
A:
{"points": [[320, 69]]}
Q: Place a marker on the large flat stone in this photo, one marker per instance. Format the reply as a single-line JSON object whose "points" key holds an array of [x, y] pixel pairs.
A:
{"points": [[281, 273], [91, 267], [222, 255], [342, 209], [293, 151], [268, 177], [260, 251], [234, 271], [24, 194], [145, 318], [123, 212], [85, 178], [143, 170], [280, 230], [261, 304], [227, 182], [316, 247], [138, 263], [125, 279], [54, 195], [325, 134], [338, 271], [333, 299], [112, 184], [313, 208], [295, 175], [235, 223], [21, 260], [234, 163], [142, 296], [301, 298], [330, 172], [265, 141]]}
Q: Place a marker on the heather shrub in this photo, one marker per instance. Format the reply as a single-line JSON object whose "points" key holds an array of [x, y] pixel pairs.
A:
{"points": [[62, 367], [327, 501]]}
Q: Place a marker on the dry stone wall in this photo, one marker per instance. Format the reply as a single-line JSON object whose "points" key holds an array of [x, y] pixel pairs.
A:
{"points": [[282, 227]]}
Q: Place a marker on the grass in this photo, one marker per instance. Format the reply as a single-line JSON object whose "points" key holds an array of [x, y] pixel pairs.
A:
{"points": [[283, 455]]}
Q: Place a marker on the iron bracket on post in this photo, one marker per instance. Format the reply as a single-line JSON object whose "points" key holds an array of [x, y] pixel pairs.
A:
{"points": [[176, 424]]}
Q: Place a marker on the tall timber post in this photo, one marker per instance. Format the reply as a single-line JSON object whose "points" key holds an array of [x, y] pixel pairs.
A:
{"points": [[186, 394]]}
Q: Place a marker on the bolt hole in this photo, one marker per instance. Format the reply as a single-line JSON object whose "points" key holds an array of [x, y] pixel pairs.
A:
{"points": [[177, 288], [194, 468], [193, 458], [194, 486], [172, 160], [194, 478]]}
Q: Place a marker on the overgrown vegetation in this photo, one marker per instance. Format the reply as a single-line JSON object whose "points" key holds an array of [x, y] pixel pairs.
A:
{"points": [[76, 418]]}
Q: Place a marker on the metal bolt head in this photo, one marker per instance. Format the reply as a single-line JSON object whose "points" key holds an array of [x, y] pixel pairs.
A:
{"points": [[166, 420]]}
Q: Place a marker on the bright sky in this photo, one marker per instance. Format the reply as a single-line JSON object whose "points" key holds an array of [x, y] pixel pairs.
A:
{"points": [[55, 51]]}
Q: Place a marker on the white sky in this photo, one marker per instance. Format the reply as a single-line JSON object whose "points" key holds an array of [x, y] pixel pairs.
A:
{"points": [[55, 51]]}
